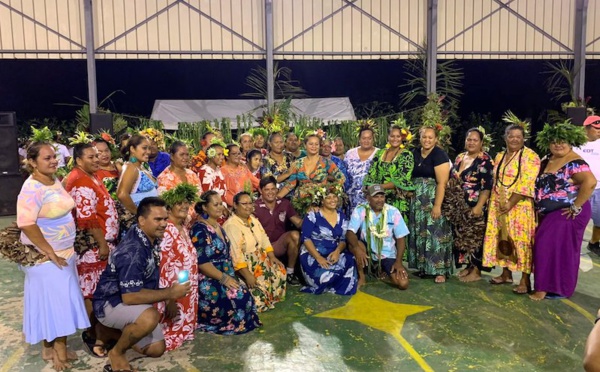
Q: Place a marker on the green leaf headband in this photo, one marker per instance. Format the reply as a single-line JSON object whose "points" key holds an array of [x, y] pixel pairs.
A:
{"points": [[181, 193], [564, 131]]}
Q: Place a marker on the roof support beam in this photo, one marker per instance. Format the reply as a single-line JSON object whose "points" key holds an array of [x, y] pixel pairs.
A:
{"points": [[90, 56], [581, 7], [269, 46], [432, 30]]}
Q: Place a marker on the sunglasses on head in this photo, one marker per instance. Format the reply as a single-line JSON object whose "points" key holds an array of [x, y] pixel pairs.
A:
{"points": [[595, 122]]}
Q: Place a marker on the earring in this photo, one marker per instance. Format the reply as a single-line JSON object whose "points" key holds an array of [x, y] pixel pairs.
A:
{"points": [[133, 159]]}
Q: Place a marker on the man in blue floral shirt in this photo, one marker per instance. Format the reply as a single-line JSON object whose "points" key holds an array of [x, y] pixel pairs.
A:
{"points": [[128, 287], [381, 246]]}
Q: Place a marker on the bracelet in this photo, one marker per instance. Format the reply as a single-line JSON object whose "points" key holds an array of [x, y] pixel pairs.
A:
{"points": [[223, 279], [575, 210]]}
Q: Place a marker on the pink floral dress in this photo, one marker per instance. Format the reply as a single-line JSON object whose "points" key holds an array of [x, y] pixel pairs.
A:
{"points": [[177, 253]]}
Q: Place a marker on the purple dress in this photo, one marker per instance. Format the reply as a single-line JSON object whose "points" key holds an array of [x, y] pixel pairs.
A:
{"points": [[558, 239]]}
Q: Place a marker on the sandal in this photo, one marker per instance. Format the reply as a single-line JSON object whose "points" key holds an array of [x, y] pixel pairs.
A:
{"points": [[92, 345]]}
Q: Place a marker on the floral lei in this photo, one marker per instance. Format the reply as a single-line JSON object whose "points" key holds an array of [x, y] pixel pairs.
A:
{"points": [[376, 230]]}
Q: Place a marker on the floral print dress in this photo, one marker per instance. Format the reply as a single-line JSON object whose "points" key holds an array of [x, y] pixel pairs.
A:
{"points": [[341, 277], [94, 209], [221, 310], [249, 248], [399, 172], [177, 254], [468, 230], [513, 174], [302, 180], [357, 169]]}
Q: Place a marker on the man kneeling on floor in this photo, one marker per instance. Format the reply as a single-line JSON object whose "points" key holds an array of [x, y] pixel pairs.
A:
{"points": [[129, 287], [382, 231]]}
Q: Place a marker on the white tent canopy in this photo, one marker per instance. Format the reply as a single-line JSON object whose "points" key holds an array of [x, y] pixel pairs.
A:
{"points": [[172, 112]]}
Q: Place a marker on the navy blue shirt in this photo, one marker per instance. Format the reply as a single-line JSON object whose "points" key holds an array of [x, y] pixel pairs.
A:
{"points": [[162, 161], [132, 266]]}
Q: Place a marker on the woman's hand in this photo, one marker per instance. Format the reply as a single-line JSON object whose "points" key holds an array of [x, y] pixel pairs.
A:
{"points": [[333, 257], [276, 262], [477, 211], [103, 252], [58, 261], [504, 208], [231, 282], [250, 281], [436, 212], [171, 309], [322, 262]]}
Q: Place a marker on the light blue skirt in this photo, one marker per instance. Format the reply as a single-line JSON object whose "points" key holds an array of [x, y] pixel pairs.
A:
{"points": [[53, 303]]}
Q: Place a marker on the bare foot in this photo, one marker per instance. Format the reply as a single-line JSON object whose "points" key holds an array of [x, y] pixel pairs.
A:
{"points": [[465, 272], [538, 296], [440, 279], [361, 281], [502, 279], [48, 353], [118, 361], [59, 364], [473, 276]]}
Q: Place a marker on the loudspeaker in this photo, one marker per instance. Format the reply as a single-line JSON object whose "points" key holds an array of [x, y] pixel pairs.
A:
{"points": [[11, 186], [577, 115], [9, 149], [101, 122]]}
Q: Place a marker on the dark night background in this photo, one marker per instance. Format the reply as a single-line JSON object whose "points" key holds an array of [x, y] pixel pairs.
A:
{"points": [[32, 88]]}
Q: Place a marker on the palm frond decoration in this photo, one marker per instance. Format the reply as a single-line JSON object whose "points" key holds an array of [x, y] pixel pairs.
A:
{"points": [[566, 132], [285, 86], [180, 193], [41, 135], [510, 118], [80, 137]]}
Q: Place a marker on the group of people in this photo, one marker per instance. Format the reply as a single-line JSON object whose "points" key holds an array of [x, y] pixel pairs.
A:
{"points": [[143, 252]]}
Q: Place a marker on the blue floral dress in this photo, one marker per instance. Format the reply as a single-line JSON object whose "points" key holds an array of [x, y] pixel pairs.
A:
{"points": [[357, 170], [341, 277], [220, 310]]}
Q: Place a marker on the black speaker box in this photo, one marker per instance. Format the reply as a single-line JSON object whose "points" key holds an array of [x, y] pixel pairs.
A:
{"points": [[101, 122], [11, 186], [9, 148], [577, 115]]}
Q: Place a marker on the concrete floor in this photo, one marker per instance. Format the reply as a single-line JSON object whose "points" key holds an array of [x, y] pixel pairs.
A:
{"points": [[449, 327]]}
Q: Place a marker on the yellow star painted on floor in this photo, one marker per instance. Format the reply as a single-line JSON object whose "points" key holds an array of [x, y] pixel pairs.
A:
{"points": [[383, 315]]}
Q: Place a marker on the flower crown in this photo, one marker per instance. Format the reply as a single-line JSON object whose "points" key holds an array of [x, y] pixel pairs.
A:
{"points": [[564, 131], [319, 193], [405, 132], [154, 135], [211, 153], [105, 136], [512, 119], [320, 133]]}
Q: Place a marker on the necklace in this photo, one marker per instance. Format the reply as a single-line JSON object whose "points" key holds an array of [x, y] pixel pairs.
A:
{"points": [[499, 179], [393, 157]]}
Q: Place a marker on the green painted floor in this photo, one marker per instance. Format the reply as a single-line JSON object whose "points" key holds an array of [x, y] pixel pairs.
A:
{"points": [[449, 327]]}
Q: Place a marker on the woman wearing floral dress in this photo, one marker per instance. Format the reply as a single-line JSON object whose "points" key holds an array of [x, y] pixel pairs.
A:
{"points": [[96, 214], [277, 163], [562, 192], [253, 256], [326, 153], [392, 169], [225, 305], [515, 171], [178, 254], [358, 161], [237, 175], [309, 170], [107, 172], [327, 265], [211, 177], [430, 238], [472, 177]]}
